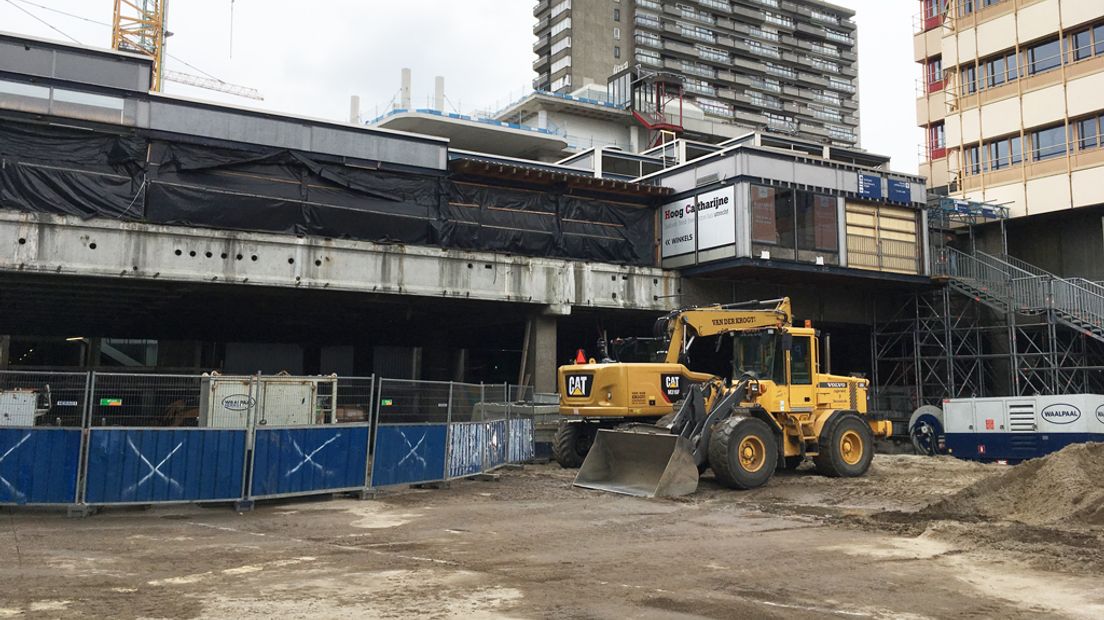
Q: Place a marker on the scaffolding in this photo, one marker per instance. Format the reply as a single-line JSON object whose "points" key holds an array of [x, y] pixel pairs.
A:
{"points": [[992, 325]]}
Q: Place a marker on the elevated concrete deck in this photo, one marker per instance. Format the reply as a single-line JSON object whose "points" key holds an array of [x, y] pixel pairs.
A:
{"points": [[49, 244]]}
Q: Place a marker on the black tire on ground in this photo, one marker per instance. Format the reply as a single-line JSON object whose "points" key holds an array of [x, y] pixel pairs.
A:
{"points": [[571, 444], [793, 462], [743, 452], [846, 447]]}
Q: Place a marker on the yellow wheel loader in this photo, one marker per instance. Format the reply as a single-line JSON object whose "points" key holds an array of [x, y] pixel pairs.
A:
{"points": [[754, 402]]}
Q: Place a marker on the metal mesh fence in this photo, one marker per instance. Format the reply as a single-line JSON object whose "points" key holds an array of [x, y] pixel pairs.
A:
{"points": [[404, 401], [151, 400], [355, 396], [31, 398]]}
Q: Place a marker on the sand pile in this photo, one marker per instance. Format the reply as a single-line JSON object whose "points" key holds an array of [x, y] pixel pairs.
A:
{"points": [[1063, 489]]}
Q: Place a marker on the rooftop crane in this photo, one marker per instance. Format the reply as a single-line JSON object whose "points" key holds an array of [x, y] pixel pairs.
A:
{"points": [[138, 26]]}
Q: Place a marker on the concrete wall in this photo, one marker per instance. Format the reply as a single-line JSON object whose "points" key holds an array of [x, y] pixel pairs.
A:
{"points": [[1069, 244]]}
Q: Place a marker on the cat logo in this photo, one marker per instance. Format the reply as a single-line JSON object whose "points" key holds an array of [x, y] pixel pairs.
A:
{"points": [[672, 387], [578, 385]]}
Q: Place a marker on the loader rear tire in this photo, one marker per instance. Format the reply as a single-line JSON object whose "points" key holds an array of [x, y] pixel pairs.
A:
{"points": [[846, 447], [743, 452], [571, 444]]}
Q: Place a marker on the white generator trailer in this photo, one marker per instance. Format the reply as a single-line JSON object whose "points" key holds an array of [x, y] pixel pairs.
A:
{"points": [[1012, 428]]}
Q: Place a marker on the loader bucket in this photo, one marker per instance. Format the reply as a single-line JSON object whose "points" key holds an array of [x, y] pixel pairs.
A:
{"points": [[641, 464]]}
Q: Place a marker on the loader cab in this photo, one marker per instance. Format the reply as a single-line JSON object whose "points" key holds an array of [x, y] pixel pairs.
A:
{"points": [[801, 370]]}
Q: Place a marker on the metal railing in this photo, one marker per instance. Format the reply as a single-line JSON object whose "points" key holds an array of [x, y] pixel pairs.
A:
{"points": [[1010, 283]]}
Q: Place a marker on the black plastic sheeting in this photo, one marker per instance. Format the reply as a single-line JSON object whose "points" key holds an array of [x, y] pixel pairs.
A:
{"points": [[69, 171], [135, 177]]}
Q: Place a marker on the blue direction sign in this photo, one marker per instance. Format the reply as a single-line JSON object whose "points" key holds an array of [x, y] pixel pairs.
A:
{"points": [[870, 186], [900, 191]]}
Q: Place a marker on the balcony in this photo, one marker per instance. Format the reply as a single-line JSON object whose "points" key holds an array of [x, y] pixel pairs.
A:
{"points": [[539, 63], [541, 43], [540, 7]]}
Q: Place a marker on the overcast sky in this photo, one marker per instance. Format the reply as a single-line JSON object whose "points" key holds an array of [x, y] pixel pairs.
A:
{"points": [[308, 58]]}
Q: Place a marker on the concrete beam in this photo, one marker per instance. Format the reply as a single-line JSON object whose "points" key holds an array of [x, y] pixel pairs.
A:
{"points": [[40, 243]]}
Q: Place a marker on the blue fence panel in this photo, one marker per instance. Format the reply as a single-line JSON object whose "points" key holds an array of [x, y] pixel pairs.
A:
{"points": [[521, 440], [496, 443], [466, 441], [164, 465], [303, 460], [39, 465], [409, 453]]}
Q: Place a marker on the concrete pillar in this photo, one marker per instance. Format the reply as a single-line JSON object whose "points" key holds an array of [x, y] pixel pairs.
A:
{"points": [[460, 370], [542, 119], [354, 110], [439, 93], [542, 362], [404, 91], [5, 351]]}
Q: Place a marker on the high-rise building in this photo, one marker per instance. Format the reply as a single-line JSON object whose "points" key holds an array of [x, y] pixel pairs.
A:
{"points": [[788, 66], [1012, 101]]}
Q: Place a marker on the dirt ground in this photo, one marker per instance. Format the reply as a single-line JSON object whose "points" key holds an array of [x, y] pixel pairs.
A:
{"points": [[529, 545]]}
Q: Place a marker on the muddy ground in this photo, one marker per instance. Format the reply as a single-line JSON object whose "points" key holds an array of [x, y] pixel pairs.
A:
{"points": [[531, 546]]}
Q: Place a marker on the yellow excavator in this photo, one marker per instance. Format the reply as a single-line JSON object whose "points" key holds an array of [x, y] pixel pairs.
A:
{"points": [[641, 422]]}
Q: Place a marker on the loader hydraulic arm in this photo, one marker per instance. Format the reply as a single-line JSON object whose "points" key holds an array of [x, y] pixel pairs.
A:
{"points": [[706, 321]]}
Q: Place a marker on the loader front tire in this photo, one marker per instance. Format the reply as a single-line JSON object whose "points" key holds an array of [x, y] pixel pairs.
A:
{"points": [[572, 442], [846, 447], [743, 452]]}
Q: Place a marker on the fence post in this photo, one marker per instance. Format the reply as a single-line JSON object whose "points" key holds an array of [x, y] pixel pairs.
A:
{"points": [[245, 504], [86, 438], [366, 492], [448, 434]]}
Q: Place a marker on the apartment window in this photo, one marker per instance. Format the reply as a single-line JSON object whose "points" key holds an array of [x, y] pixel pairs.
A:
{"points": [[562, 63], [563, 82], [824, 17], [648, 20], [648, 39], [780, 122], [720, 5], [937, 141], [1048, 143], [971, 156], [1043, 57], [561, 26], [764, 101], [762, 49], [969, 79], [840, 133], [778, 20], [616, 14], [769, 35], [1086, 43], [616, 51], [934, 8], [561, 45], [690, 12], [771, 3], [965, 7], [698, 69], [934, 74], [824, 65], [827, 114], [827, 50], [1004, 152], [780, 70], [560, 7], [841, 37], [649, 4], [768, 84], [648, 57], [838, 84], [710, 53], [827, 97], [697, 32], [1089, 132], [714, 107], [616, 34]]}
